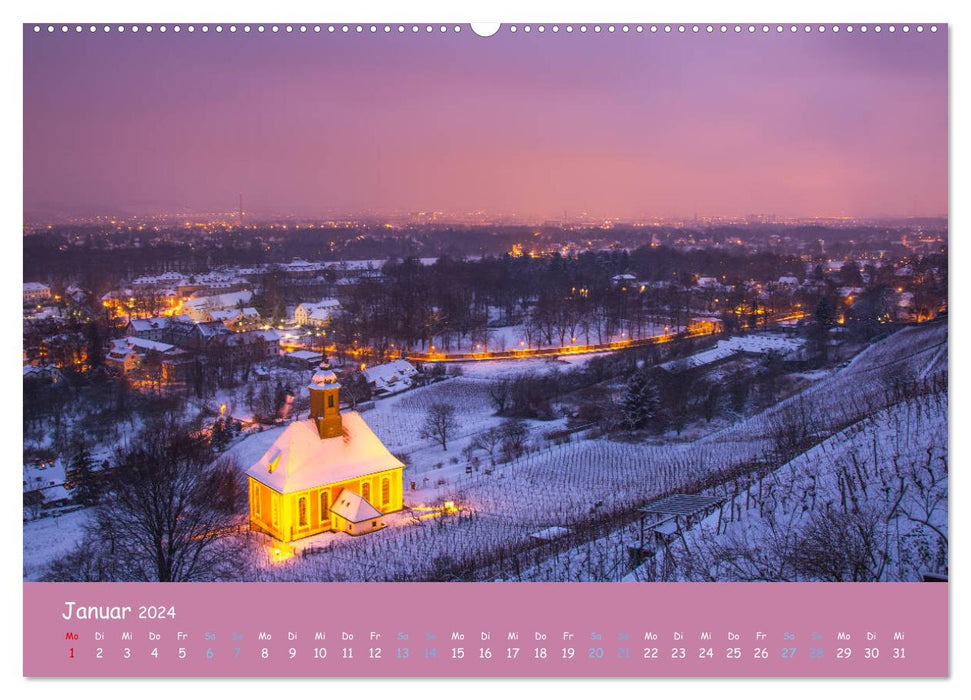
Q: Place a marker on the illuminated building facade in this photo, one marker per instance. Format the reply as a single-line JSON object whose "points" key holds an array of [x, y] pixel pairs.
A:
{"points": [[327, 473]]}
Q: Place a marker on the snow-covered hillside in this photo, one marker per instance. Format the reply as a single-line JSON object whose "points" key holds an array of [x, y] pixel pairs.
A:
{"points": [[846, 479], [892, 396]]}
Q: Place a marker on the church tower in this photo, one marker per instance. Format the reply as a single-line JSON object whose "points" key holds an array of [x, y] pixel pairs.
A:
{"points": [[325, 404]]}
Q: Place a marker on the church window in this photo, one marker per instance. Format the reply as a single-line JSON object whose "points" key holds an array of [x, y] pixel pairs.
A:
{"points": [[324, 505], [274, 510], [385, 491], [366, 491], [302, 511], [257, 500]]}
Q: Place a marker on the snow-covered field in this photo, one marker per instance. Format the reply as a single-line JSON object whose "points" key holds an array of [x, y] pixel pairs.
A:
{"points": [[591, 483], [869, 503], [48, 538], [883, 476], [889, 399]]}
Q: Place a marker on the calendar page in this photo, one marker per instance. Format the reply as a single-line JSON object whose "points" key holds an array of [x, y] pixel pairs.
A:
{"points": [[448, 350]]}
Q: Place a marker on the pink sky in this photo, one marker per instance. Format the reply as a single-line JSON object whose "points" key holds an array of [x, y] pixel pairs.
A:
{"points": [[617, 125]]}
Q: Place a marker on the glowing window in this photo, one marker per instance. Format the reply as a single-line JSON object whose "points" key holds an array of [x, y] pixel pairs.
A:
{"points": [[302, 511], [324, 505], [257, 498], [385, 491], [366, 491], [274, 509]]}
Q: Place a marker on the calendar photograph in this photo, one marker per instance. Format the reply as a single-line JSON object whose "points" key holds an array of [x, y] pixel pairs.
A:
{"points": [[522, 304], [560, 308]]}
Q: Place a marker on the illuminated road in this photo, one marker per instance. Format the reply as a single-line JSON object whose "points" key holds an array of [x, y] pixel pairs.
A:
{"points": [[702, 329], [522, 353]]}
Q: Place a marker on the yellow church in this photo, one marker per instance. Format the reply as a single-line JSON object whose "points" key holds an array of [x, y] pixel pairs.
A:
{"points": [[327, 473]]}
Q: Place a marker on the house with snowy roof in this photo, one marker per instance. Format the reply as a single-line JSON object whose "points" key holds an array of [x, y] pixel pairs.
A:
{"points": [[35, 292], [328, 473], [44, 483], [158, 328], [49, 374], [127, 354], [391, 378], [317, 313], [200, 308]]}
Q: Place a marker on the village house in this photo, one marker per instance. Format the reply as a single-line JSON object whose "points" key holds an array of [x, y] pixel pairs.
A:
{"points": [[247, 345], [36, 293], [128, 354], [48, 374], [316, 313], [329, 473], [44, 484], [302, 359], [162, 329], [200, 308], [623, 280], [390, 378], [247, 318], [165, 279]]}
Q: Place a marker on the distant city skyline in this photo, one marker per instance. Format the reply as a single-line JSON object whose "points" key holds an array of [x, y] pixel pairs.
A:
{"points": [[539, 125]]}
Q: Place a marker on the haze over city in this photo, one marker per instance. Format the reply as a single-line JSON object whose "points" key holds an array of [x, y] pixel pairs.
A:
{"points": [[543, 125]]}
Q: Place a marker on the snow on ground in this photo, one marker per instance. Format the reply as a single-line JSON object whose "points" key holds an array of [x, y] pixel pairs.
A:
{"points": [[573, 485], [876, 456], [47, 539], [888, 473], [397, 420], [764, 527], [580, 483], [514, 338], [489, 370]]}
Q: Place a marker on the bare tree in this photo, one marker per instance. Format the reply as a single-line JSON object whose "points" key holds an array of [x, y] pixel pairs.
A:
{"points": [[440, 423], [843, 546], [168, 515], [514, 435], [489, 441], [499, 394]]}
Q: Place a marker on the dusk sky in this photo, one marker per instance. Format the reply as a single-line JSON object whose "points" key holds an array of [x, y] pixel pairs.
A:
{"points": [[539, 124]]}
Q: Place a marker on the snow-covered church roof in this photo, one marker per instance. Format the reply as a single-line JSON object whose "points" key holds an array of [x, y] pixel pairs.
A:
{"points": [[299, 459]]}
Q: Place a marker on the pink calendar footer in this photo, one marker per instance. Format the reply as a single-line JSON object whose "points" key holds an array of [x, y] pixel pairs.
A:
{"points": [[428, 629]]}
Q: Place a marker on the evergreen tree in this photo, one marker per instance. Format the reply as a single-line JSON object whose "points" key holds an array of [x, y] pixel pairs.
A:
{"points": [[280, 394], [825, 314], [824, 318], [85, 484], [641, 401], [95, 342], [220, 435]]}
